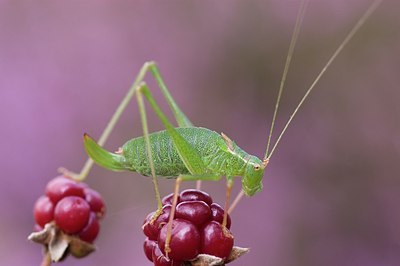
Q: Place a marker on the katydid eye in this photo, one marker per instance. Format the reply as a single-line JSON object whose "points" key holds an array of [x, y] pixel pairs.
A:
{"points": [[257, 167]]}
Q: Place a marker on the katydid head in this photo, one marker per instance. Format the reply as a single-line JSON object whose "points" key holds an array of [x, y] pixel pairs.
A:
{"points": [[252, 178]]}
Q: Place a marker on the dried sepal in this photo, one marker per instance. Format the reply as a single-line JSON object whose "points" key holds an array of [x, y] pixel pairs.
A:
{"points": [[42, 237], [236, 253], [206, 260], [59, 244], [209, 260], [79, 248]]}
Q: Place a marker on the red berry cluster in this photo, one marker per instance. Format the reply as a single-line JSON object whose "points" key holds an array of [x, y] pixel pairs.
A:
{"points": [[196, 229], [74, 207]]}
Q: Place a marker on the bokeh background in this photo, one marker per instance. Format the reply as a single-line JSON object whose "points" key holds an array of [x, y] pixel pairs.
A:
{"points": [[332, 190]]}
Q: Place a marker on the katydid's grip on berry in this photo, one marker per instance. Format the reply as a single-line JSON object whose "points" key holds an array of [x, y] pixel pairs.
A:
{"points": [[197, 229]]}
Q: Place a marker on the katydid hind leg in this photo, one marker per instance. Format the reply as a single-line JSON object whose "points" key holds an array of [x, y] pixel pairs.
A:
{"points": [[188, 154], [181, 118], [143, 119]]}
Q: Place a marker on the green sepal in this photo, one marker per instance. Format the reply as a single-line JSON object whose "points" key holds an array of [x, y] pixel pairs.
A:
{"points": [[102, 157]]}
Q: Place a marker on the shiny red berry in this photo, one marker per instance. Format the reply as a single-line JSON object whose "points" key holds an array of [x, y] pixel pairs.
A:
{"points": [[152, 229], [61, 187], [43, 211], [91, 230], [95, 201], [72, 214], [185, 240], [160, 260], [148, 247], [168, 199], [148, 229], [197, 212], [194, 194], [216, 240], [217, 214]]}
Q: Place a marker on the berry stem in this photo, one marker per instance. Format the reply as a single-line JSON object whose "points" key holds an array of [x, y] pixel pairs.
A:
{"points": [[46, 259]]}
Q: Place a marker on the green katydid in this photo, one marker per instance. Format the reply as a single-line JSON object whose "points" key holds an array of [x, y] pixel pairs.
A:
{"points": [[188, 152]]}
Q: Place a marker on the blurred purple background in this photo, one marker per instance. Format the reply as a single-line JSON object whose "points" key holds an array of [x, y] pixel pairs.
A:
{"points": [[332, 191]]}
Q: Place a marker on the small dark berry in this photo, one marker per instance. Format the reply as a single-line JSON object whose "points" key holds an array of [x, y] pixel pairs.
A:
{"points": [[197, 212], [217, 214], [148, 228], [72, 214], [151, 230], [185, 240], [148, 247], [194, 194], [216, 240], [160, 260], [168, 199]]}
